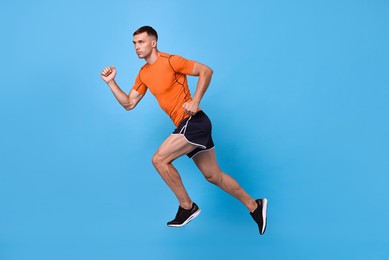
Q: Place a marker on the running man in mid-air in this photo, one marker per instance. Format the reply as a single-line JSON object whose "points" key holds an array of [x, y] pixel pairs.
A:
{"points": [[165, 75]]}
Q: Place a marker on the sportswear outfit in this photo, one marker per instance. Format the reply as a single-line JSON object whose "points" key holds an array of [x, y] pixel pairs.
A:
{"points": [[166, 79]]}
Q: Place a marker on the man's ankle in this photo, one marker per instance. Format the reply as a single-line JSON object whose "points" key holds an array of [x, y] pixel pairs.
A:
{"points": [[253, 206], [187, 206]]}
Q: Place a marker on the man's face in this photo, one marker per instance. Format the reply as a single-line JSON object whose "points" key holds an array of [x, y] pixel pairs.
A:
{"points": [[144, 44]]}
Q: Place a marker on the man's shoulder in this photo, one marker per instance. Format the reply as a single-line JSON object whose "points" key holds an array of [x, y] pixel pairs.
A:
{"points": [[167, 59], [165, 55], [169, 55]]}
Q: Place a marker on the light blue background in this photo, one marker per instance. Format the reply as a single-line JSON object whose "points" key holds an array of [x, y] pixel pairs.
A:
{"points": [[299, 103]]}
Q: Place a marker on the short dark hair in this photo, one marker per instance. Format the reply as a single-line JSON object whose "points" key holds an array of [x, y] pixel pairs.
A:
{"points": [[150, 31]]}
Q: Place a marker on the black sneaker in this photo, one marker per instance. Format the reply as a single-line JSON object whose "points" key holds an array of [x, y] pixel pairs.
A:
{"points": [[259, 215], [183, 216]]}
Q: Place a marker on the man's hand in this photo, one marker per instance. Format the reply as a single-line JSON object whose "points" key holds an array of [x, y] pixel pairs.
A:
{"points": [[191, 107], [108, 74]]}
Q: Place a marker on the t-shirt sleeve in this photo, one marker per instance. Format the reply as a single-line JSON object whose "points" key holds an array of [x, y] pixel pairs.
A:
{"points": [[181, 65], [139, 86]]}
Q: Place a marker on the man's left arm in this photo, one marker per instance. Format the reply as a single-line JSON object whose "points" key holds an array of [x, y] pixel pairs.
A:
{"points": [[205, 74]]}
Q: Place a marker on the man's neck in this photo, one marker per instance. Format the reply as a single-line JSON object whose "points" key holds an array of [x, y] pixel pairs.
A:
{"points": [[152, 57]]}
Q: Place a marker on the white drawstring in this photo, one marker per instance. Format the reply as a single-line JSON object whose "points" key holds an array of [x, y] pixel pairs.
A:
{"points": [[184, 128]]}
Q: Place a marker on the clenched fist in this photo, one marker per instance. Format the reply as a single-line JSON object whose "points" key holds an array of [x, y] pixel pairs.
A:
{"points": [[191, 107], [108, 74]]}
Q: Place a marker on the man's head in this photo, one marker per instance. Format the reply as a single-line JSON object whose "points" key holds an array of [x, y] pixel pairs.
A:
{"points": [[145, 41], [149, 30]]}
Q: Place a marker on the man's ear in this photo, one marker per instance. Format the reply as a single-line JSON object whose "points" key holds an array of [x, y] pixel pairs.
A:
{"points": [[154, 43]]}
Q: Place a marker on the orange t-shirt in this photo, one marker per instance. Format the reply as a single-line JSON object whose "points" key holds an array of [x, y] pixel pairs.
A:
{"points": [[166, 80]]}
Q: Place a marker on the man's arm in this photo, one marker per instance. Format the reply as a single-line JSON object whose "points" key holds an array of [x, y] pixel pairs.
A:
{"points": [[127, 101], [205, 74]]}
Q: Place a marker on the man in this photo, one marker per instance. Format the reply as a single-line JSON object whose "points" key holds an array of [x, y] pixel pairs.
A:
{"points": [[165, 76]]}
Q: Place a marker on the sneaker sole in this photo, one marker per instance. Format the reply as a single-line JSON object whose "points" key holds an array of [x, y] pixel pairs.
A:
{"points": [[188, 220], [264, 216]]}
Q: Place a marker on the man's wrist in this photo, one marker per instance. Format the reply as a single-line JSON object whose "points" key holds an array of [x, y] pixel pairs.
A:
{"points": [[195, 100], [111, 82]]}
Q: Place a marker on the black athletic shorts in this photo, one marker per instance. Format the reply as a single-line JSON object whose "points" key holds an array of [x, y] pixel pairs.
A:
{"points": [[197, 130]]}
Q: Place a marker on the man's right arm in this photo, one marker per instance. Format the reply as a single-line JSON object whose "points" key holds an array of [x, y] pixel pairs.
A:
{"points": [[127, 101]]}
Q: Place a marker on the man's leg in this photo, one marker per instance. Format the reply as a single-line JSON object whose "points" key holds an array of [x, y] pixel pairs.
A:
{"points": [[206, 162], [172, 148]]}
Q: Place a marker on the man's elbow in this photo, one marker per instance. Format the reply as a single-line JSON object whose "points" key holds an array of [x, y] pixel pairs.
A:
{"points": [[208, 71], [128, 107]]}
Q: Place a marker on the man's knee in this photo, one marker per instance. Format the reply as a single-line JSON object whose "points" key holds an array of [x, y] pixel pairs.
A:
{"points": [[214, 178], [157, 160]]}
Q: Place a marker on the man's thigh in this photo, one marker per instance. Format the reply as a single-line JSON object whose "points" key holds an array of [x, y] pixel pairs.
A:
{"points": [[207, 163], [173, 147]]}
